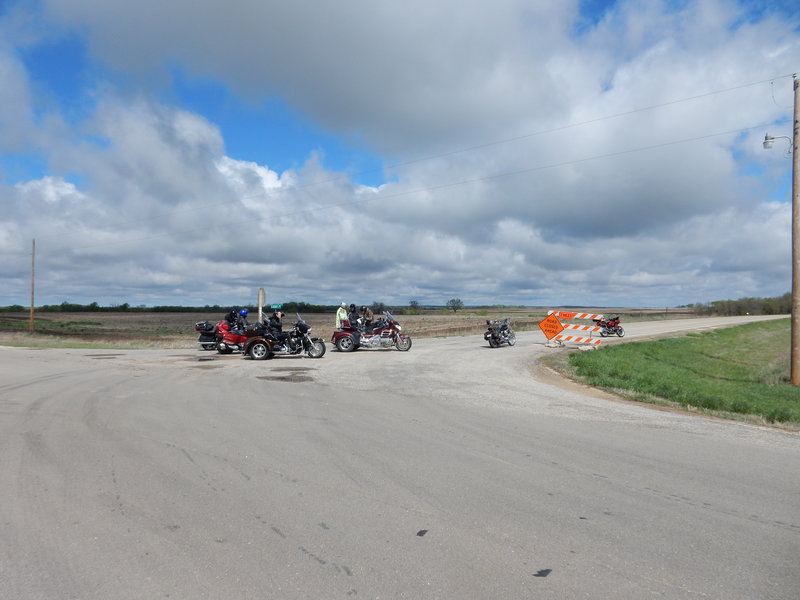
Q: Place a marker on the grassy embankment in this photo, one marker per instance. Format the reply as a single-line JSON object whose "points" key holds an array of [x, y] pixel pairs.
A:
{"points": [[739, 372]]}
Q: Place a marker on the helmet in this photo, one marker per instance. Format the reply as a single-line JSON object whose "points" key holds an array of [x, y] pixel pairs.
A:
{"points": [[343, 305], [363, 308], [352, 307], [243, 312]]}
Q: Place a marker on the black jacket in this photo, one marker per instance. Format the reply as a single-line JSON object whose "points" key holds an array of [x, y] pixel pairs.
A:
{"points": [[274, 324]]}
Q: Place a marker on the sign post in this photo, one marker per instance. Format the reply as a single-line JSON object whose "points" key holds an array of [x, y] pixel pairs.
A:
{"points": [[261, 297]]}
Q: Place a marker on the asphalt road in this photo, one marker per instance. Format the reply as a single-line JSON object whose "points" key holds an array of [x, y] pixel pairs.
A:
{"points": [[450, 471]]}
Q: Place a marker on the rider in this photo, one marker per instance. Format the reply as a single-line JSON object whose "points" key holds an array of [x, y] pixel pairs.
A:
{"points": [[275, 326], [237, 320], [341, 315], [231, 317], [367, 315]]}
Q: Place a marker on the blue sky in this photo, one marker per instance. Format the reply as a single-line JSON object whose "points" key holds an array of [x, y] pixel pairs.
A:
{"points": [[513, 152]]}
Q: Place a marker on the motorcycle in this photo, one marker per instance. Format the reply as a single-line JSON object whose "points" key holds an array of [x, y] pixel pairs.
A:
{"points": [[232, 340], [208, 335], [609, 326], [499, 332], [384, 333], [264, 344]]}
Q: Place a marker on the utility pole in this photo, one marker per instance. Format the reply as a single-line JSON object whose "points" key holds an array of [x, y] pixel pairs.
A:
{"points": [[795, 359], [33, 280]]}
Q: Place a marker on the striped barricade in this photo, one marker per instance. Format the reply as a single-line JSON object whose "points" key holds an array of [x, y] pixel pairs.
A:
{"points": [[569, 337]]}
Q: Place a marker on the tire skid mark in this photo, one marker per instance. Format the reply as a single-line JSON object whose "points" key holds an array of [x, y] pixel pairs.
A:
{"points": [[725, 511], [313, 556], [203, 473]]}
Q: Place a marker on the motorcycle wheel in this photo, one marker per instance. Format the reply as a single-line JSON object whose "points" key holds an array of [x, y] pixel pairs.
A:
{"points": [[224, 350], [493, 343], [512, 339], [620, 332], [259, 351], [317, 349], [346, 344], [209, 346], [604, 333], [403, 343]]}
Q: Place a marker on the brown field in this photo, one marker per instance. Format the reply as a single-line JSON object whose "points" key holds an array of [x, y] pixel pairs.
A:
{"points": [[176, 330]]}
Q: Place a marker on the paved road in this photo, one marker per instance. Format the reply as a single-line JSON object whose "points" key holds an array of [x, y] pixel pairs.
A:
{"points": [[449, 471]]}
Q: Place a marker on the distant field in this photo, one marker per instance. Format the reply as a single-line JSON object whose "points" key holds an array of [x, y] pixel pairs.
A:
{"points": [[176, 330]]}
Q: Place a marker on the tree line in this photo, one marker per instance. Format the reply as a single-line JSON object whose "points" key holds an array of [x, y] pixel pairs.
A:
{"points": [[780, 305], [743, 306], [288, 307]]}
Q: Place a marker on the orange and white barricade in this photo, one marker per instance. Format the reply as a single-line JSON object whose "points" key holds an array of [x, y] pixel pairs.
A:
{"points": [[552, 327]]}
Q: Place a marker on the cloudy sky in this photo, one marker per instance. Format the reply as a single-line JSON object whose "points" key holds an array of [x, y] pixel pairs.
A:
{"points": [[595, 153]]}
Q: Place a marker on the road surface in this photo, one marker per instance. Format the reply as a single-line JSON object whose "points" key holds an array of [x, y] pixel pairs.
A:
{"points": [[450, 471]]}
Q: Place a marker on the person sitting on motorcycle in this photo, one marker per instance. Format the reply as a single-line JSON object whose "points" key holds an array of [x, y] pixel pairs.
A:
{"points": [[275, 326], [231, 317], [367, 316], [238, 323], [341, 315]]}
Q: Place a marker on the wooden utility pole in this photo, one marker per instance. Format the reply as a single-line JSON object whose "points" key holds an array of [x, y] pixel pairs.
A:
{"points": [[795, 359], [33, 283]]}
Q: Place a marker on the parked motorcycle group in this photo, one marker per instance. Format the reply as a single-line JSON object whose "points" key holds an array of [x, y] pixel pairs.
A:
{"points": [[353, 330], [260, 340], [266, 339]]}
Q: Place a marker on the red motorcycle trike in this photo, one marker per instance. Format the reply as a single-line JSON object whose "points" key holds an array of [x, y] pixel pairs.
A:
{"points": [[384, 333]]}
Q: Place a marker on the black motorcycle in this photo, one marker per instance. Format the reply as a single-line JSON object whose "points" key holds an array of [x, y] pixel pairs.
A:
{"points": [[499, 332], [208, 335], [298, 339]]}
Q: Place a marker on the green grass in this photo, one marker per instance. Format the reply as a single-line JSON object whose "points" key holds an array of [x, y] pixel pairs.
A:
{"points": [[733, 372]]}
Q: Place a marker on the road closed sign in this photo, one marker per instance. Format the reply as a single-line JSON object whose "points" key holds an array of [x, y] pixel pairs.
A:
{"points": [[550, 326]]}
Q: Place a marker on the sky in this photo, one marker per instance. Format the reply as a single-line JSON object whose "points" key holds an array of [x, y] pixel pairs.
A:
{"points": [[504, 152]]}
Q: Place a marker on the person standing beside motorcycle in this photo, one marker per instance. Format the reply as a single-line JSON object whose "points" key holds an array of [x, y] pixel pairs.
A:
{"points": [[341, 315], [352, 315]]}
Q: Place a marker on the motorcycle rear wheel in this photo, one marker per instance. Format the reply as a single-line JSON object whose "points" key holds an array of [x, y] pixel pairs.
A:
{"points": [[317, 349], [604, 333], [259, 351], [346, 344], [403, 343]]}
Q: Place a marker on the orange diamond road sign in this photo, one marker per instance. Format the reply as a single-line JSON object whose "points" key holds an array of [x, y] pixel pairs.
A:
{"points": [[550, 326]]}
